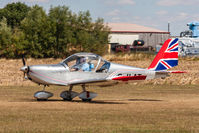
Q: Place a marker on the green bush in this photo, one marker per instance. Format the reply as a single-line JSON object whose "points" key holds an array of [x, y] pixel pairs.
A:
{"points": [[30, 31]]}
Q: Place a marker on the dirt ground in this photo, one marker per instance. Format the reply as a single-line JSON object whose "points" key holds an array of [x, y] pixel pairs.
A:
{"points": [[168, 105], [11, 76], [123, 109]]}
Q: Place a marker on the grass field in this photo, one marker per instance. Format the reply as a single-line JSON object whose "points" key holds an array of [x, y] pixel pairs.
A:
{"points": [[127, 108], [157, 106], [11, 76]]}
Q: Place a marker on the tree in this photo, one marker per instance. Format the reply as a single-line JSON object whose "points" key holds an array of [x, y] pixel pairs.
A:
{"points": [[83, 27], [91, 37], [5, 39], [57, 34], [100, 34], [19, 41], [14, 13], [37, 32], [61, 29]]}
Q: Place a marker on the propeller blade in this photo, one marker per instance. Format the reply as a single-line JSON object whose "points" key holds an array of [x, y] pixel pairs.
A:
{"points": [[23, 60], [25, 76], [25, 68]]}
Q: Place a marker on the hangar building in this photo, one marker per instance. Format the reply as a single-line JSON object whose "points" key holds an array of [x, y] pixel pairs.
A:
{"points": [[126, 34]]}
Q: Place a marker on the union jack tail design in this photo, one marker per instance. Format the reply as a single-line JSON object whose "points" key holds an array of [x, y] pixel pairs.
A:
{"points": [[167, 57]]}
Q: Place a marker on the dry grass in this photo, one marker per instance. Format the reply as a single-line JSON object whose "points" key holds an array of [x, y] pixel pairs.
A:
{"points": [[157, 106], [10, 74], [129, 57], [124, 109]]}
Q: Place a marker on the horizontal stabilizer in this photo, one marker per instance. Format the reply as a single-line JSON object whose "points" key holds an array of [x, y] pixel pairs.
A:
{"points": [[167, 72]]}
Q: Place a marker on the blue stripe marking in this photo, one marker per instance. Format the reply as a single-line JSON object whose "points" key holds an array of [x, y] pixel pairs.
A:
{"points": [[172, 63], [160, 67], [172, 43]]}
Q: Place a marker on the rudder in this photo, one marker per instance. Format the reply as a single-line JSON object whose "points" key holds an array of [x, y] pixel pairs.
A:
{"points": [[167, 57]]}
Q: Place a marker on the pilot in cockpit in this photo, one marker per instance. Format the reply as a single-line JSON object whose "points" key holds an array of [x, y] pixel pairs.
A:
{"points": [[77, 65], [87, 65], [83, 64]]}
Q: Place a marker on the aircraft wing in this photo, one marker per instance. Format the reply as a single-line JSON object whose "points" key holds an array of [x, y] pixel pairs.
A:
{"points": [[85, 81]]}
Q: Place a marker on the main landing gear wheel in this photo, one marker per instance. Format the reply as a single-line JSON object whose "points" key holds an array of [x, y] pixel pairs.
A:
{"points": [[87, 96], [67, 99], [43, 95], [86, 100], [42, 99], [69, 95]]}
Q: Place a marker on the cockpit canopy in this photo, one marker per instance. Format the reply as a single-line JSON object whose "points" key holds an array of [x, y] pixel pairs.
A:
{"points": [[87, 62]]}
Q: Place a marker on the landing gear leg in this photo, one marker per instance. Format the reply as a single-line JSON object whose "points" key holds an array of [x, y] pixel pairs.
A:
{"points": [[87, 96], [69, 95], [44, 87], [43, 95], [83, 87], [84, 90]]}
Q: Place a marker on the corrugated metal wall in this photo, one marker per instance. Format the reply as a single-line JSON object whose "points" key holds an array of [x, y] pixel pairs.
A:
{"points": [[150, 39], [123, 39], [153, 39]]}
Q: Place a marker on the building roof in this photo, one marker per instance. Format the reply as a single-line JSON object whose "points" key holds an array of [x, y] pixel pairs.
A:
{"points": [[132, 28]]}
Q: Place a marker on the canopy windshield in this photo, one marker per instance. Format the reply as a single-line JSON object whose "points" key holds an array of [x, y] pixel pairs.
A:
{"points": [[87, 62], [89, 56]]}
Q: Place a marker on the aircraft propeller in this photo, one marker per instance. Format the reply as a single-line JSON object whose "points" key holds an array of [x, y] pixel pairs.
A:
{"points": [[25, 68]]}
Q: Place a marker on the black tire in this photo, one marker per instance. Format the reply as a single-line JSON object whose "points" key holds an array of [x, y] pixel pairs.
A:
{"points": [[42, 99], [86, 100], [67, 99]]}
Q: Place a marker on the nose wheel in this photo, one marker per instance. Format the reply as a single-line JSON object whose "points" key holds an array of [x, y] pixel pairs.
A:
{"points": [[43, 95]]}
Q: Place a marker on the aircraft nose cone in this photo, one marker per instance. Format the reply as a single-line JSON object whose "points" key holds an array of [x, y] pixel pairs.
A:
{"points": [[24, 69]]}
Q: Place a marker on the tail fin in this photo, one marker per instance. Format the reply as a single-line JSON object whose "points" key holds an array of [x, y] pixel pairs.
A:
{"points": [[167, 57]]}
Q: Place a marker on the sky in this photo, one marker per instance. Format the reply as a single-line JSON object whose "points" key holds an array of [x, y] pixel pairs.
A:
{"points": [[151, 13]]}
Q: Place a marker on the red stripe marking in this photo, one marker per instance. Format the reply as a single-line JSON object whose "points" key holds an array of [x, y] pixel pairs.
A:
{"points": [[126, 78], [165, 64], [48, 77], [54, 79], [173, 46], [178, 72], [170, 55], [87, 94]]}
